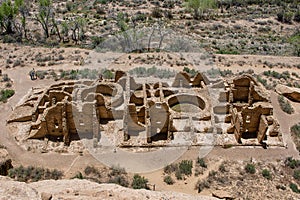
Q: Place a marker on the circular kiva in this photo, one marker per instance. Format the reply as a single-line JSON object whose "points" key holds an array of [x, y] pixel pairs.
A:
{"points": [[133, 124]]}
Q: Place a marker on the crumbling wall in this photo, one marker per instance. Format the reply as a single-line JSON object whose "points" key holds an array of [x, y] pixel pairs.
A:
{"points": [[251, 108]]}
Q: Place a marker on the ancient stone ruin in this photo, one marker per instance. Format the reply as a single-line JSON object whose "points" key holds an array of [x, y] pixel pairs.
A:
{"points": [[146, 114], [248, 110]]}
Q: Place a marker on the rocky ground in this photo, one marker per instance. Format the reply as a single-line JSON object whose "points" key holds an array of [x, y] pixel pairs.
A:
{"points": [[81, 189]]}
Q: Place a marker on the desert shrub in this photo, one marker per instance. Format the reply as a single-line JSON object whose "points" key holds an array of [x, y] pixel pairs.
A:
{"points": [[6, 94], [281, 187], [79, 176], [41, 74], [186, 166], [294, 40], [168, 14], [267, 174], [152, 71], [292, 163], [284, 75], [168, 180], [17, 63], [90, 170], [5, 78], [120, 180], [157, 13], [73, 74], [250, 168], [108, 74], [9, 39], [201, 162], [296, 135], [96, 41], [285, 16], [191, 72], [212, 173], [296, 174], [198, 171], [285, 105], [100, 10], [139, 182], [32, 174], [213, 72], [294, 188], [222, 168], [227, 51], [178, 175], [264, 82], [297, 16], [170, 168], [280, 15], [288, 17], [116, 170], [69, 6], [200, 185], [226, 72]]}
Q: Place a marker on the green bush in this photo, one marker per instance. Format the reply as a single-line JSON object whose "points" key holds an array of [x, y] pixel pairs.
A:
{"points": [[186, 166], [168, 180], [297, 16], [288, 17], [250, 168], [139, 182], [266, 173], [79, 176], [108, 74], [285, 105], [6, 94], [294, 188], [292, 163], [228, 51], [296, 174], [201, 162], [296, 135], [191, 72]]}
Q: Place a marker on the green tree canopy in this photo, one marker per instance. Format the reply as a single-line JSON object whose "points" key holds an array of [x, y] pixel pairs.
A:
{"points": [[8, 13]]}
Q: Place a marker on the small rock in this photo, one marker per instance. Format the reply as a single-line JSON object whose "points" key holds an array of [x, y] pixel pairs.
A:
{"points": [[46, 196], [222, 194]]}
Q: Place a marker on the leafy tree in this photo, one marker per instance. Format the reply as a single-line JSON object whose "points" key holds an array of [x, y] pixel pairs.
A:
{"points": [[199, 7], [295, 41], [45, 15], [8, 13], [24, 12], [77, 27]]}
